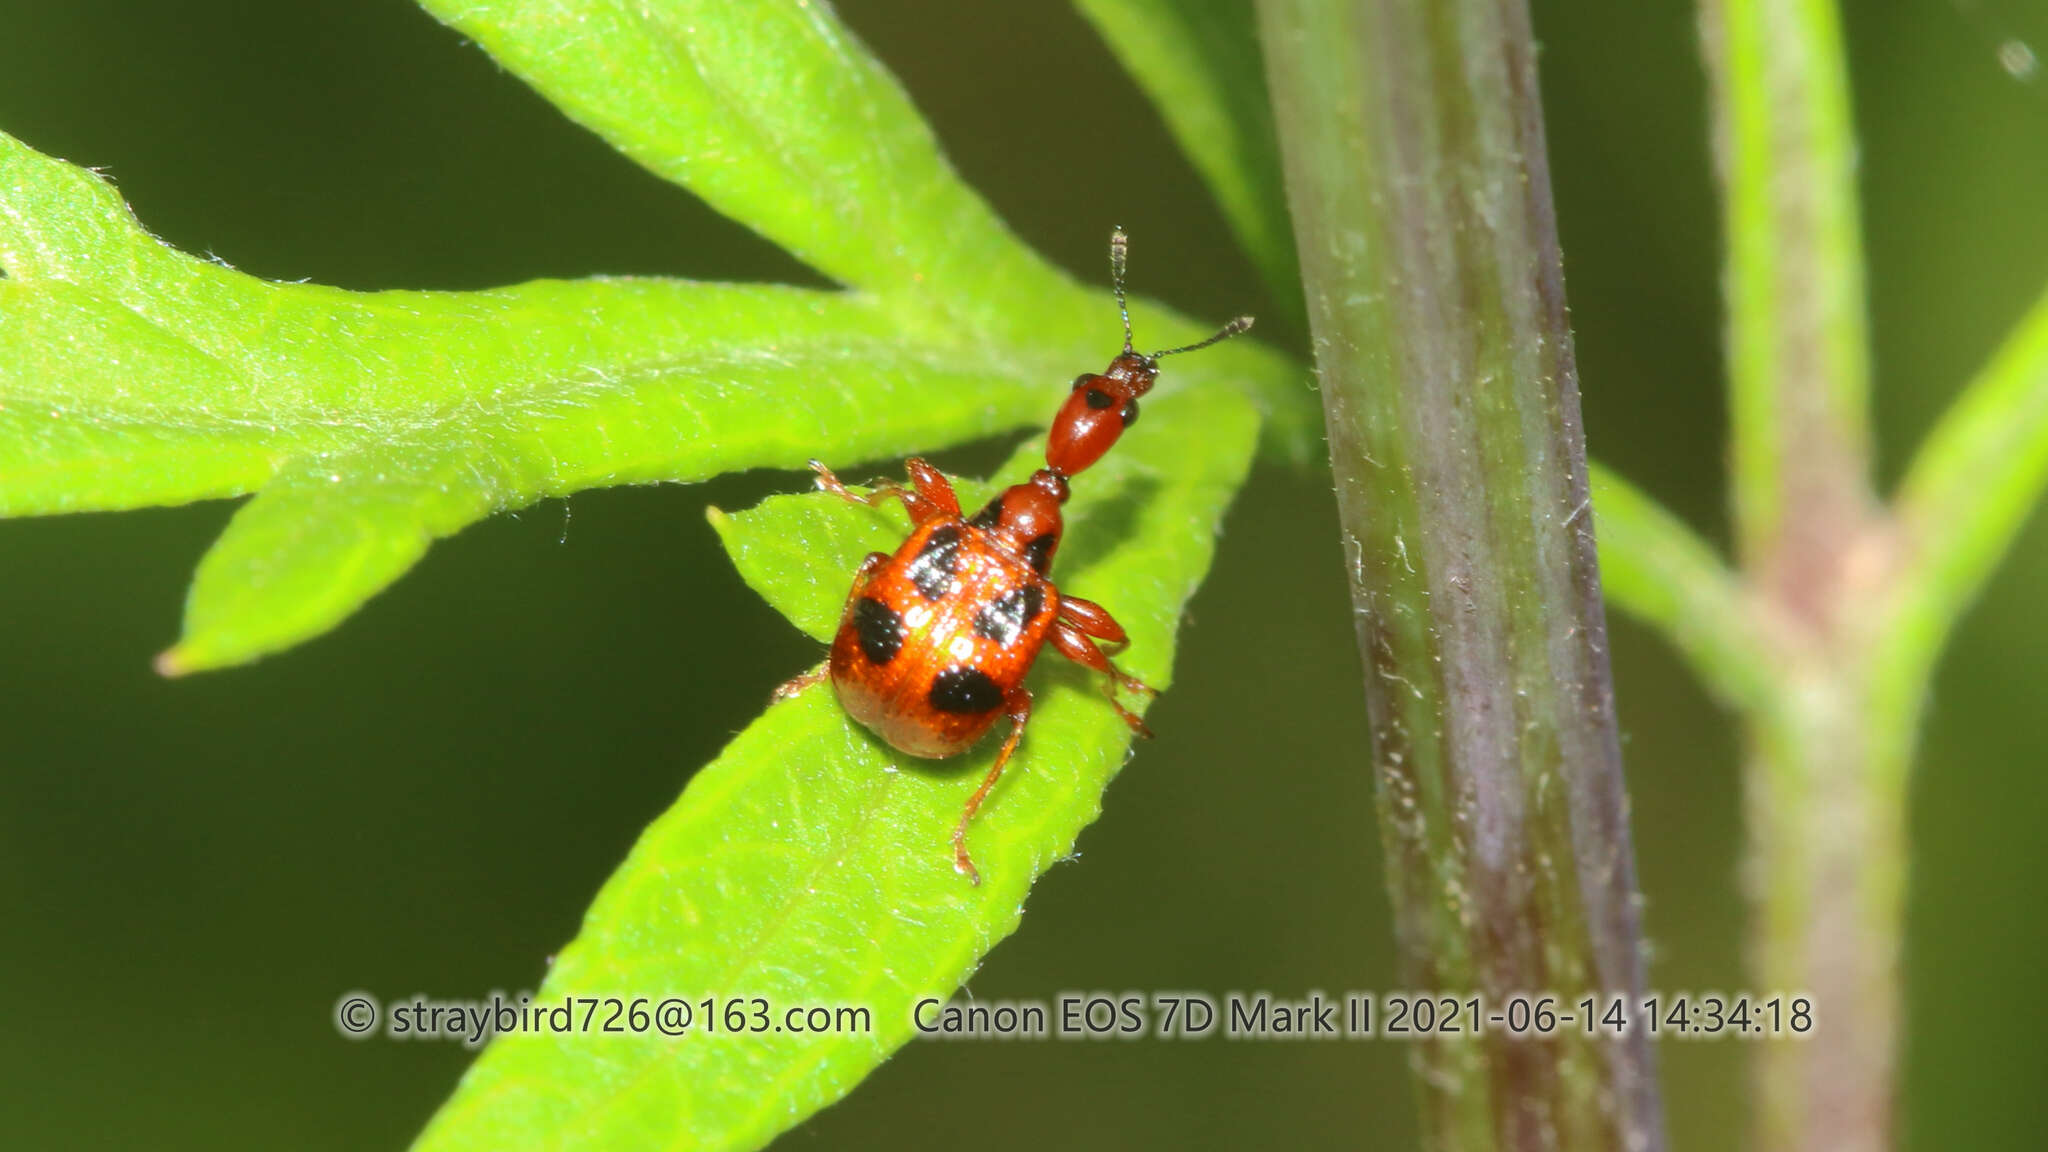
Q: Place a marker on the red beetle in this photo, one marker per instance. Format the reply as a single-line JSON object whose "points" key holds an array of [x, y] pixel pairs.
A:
{"points": [[937, 638]]}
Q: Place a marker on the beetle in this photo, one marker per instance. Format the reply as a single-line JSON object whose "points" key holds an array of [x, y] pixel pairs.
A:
{"points": [[936, 638]]}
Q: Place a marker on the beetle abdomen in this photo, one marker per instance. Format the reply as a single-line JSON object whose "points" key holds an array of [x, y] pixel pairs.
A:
{"points": [[936, 639]]}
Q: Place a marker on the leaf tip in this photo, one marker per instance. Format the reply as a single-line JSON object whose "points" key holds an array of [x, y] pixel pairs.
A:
{"points": [[173, 662], [198, 654]]}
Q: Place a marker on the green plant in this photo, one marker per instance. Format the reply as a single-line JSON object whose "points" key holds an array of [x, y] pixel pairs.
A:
{"points": [[370, 424], [1430, 176]]}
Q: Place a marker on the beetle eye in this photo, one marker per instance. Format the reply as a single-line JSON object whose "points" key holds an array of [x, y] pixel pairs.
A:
{"points": [[1130, 413]]}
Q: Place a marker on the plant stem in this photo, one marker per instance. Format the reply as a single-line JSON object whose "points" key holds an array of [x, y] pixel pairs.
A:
{"points": [[1972, 485], [1797, 350], [1826, 769], [1827, 837], [1414, 154], [1830, 770]]}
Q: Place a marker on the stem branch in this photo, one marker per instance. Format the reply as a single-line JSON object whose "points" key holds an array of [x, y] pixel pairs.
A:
{"points": [[1825, 776]]}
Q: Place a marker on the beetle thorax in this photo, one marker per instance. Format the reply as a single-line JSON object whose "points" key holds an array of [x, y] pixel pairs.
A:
{"points": [[1024, 519]]}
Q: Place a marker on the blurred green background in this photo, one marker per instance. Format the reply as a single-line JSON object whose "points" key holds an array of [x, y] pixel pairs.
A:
{"points": [[423, 802]]}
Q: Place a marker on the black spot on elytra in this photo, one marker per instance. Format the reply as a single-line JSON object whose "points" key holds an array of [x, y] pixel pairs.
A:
{"points": [[1004, 618], [1098, 399], [1083, 378], [1038, 553], [990, 516], [1130, 413], [932, 568], [879, 629], [966, 690]]}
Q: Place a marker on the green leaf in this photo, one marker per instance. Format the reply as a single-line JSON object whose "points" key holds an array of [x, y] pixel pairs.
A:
{"points": [[374, 423], [133, 375], [1200, 64], [777, 116], [809, 864], [774, 113]]}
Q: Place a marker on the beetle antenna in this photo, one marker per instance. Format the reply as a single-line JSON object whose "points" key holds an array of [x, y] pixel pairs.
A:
{"points": [[1118, 244], [1236, 327]]}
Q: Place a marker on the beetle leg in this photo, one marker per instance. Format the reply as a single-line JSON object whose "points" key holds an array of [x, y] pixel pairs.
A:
{"points": [[934, 492], [1019, 704], [1092, 619], [930, 499], [829, 481], [1073, 643], [795, 684]]}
